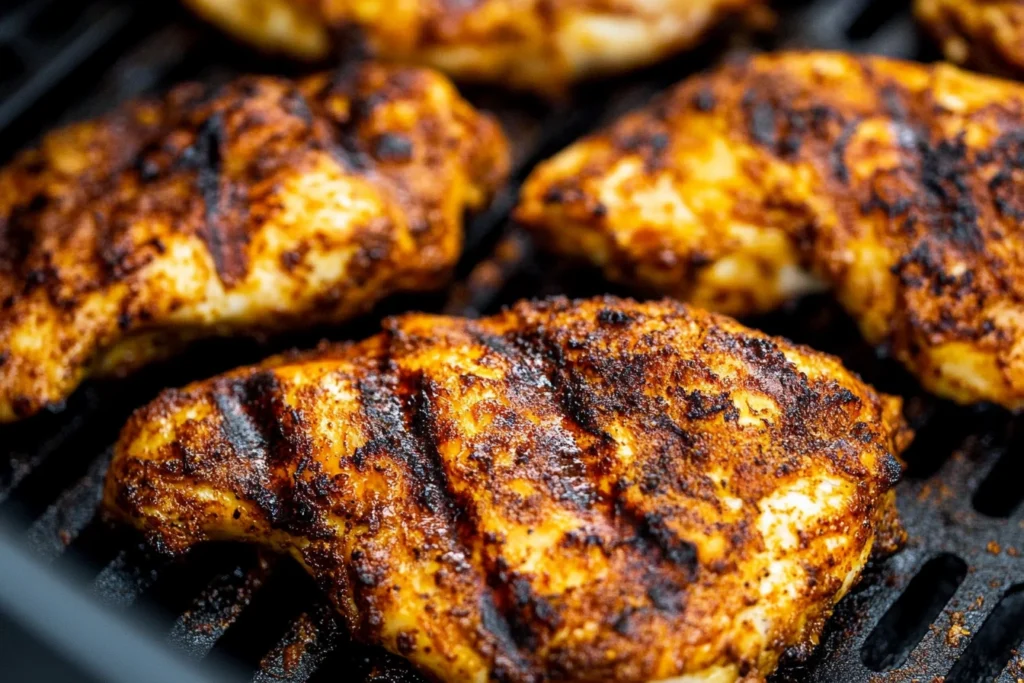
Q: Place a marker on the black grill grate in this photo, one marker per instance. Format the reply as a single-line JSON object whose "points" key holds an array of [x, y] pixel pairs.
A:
{"points": [[934, 610]]}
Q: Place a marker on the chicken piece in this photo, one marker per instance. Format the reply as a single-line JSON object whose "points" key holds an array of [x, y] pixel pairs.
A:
{"points": [[988, 34], [894, 182], [260, 206], [538, 45], [599, 490]]}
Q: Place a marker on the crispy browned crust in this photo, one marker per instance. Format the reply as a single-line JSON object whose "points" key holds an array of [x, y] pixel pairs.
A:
{"points": [[599, 490], [263, 205], [986, 34], [538, 45], [894, 182]]}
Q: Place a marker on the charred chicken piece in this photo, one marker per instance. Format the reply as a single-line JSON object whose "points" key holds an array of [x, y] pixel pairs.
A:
{"points": [[987, 34], [538, 45], [598, 490], [260, 206], [896, 184]]}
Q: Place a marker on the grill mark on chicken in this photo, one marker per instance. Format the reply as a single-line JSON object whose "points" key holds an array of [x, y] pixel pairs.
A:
{"points": [[238, 427], [494, 622], [204, 158], [270, 433], [574, 389]]}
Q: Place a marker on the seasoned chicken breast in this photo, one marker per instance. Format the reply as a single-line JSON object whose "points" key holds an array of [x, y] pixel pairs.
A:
{"points": [[894, 183], [260, 206], [988, 34], [599, 490], [534, 44]]}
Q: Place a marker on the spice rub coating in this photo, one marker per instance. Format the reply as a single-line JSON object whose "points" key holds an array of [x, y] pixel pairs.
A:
{"points": [[893, 183], [540, 45], [593, 490], [263, 205]]}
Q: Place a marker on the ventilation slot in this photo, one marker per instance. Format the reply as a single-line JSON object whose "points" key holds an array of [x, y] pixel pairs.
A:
{"points": [[903, 626], [1001, 492], [873, 17], [994, 644]]}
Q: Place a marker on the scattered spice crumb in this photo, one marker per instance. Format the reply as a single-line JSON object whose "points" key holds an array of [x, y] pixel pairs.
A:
{"points": [[993, 547], [957, 631]]}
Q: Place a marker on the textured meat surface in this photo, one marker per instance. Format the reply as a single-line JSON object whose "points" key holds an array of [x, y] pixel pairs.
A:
{"points": [[534, 44], [988, 34], [595, 490], [259, 206], [895, 183]]}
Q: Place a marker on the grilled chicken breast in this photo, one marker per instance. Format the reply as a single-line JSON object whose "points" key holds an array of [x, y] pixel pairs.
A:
{"points": [[988, 34], [260, 206], [533, 44], [895, 184], [599, 490]]}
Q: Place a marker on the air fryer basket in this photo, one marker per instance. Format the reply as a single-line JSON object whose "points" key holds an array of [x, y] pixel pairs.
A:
{"points": [[950, 606]]}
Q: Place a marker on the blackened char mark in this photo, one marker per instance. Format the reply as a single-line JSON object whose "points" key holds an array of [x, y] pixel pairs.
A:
{"points": [[437, 493], [346, 146], [508, 665], [225, 241], [838, 152], [402, 423], [244, 436], [651, 536], [390, 437], [261, 427], [570, 386], [18, 233], [951, 210], [678, 552]]}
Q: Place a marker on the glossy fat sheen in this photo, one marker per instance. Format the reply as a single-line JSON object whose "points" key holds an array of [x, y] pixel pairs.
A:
{"points": [[534, 44], [599, 490], [896, 183], [988, 34], [260, 206]]}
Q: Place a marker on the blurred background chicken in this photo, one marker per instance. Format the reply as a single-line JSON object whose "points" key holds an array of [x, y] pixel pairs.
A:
{"points": [[894, 183], [987, 34], [260, 206], [598, 490], [540, 45]]}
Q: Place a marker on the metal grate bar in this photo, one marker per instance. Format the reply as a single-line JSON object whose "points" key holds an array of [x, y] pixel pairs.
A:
{"points": [[309, 640], [72, 512], [218, 606]]}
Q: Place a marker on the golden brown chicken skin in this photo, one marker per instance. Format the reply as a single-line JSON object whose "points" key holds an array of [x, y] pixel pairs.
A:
{"points": [[988, 34], [260, 206], [538, 45], [598, 490], [895, 183]]}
